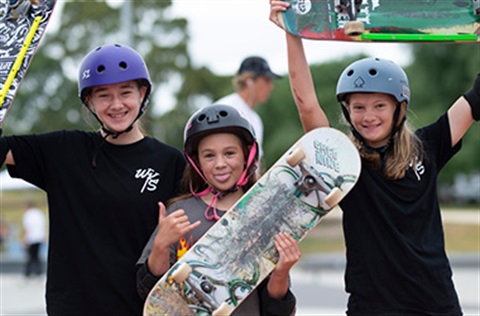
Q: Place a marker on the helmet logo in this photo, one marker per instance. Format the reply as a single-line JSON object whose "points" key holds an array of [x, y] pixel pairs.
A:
{"points": [[359, 82], [86, 74]]}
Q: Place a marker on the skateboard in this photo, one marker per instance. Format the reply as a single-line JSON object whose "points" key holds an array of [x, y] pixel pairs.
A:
{"points": [[237, 253], [22, 25], [384, 20]]}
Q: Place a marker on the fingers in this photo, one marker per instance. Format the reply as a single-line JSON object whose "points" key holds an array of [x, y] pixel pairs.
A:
{"points": [[276, 8], [288, 250], [174, 225], [162, 212]]}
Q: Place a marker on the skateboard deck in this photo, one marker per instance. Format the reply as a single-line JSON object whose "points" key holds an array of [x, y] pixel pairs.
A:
{"points": [[227, 264], [22, 25], [384, 20]]}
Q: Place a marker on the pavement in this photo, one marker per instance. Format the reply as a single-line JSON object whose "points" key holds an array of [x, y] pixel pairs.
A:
{"points": [[317, 281], [318, 292]]}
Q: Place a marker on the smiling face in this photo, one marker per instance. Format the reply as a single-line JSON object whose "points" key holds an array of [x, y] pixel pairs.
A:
{"points": [[222, 159], [371, 115], [116, 105]]}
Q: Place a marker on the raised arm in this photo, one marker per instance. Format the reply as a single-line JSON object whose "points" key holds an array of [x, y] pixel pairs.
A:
{"points": [[464, 111], [301, 81]]}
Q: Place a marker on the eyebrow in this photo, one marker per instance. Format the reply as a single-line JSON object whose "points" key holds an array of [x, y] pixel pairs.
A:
{"points": [[103, 88]]}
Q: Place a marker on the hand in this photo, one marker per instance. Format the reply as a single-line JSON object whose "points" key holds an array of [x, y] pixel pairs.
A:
{"points": [[172, 227], [276, 8], [289, 252]]}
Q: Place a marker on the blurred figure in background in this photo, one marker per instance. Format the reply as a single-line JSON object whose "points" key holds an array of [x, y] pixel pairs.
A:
{"points": [[253, 85], [34, 227]]}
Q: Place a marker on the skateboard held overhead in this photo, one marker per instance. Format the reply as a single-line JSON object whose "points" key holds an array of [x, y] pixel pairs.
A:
{"points": [[384, 20], [22, 25], [227, 264]]}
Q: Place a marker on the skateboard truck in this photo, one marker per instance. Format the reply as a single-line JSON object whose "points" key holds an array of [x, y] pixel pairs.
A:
{"points": [[310, 181], [351, 8], [201, 293]]}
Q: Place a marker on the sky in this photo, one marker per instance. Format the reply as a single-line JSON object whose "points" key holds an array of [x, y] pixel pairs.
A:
{"points": [[223, 32]]}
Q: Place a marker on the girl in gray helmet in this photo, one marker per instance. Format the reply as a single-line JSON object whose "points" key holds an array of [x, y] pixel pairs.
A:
{"points": [[396, 261], [102, 188], [222, 151]]}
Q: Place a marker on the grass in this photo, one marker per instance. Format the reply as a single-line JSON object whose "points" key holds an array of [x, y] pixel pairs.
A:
{"points": [[326, 237]]}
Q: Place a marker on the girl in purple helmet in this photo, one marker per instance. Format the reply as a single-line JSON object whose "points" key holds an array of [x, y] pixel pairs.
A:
{"points": [[222, 151], [396, 261], [102, 188]]}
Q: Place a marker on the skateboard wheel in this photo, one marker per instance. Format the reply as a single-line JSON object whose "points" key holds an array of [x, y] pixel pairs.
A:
{"points": [[334, 197], [296, 157], [223, 310], [354, 28], [181, 273]]}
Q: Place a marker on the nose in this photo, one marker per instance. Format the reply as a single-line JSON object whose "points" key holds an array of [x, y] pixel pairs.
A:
{"points": [[220, 162], [369, 115], [116, 101]]}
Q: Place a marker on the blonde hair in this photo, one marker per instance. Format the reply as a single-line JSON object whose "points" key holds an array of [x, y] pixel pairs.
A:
{"points": [[239, 82]]}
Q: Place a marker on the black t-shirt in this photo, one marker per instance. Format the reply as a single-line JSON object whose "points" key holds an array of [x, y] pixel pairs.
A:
{"points": [[100, 217], [396, 262]]}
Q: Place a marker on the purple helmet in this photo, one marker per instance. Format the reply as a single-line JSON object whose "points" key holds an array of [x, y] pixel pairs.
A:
{"points": [[112, 64]]}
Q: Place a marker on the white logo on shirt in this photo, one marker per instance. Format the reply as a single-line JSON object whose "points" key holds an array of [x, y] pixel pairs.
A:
{"points": [[419, 169], [151, 179]]}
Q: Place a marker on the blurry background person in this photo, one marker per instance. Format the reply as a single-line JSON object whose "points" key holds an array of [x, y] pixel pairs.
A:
{"points": [[253, 85], [34, 226]]}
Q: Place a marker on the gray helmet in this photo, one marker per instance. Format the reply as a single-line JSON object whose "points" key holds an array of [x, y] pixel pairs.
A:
{"points": [[216, 119], [374, 75]]}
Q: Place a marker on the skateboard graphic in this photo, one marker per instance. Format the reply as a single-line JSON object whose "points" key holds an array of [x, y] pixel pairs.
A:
{"points": [[22, 25], [384, 20], [224, 266]]}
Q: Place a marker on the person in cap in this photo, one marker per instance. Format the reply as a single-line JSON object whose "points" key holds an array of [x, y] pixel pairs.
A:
{"points": [[102, 187], [253, 85], [395, 248], [221, 149]]}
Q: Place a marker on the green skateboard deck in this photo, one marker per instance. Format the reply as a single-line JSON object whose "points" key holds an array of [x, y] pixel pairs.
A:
{"points": [[385, 20]]}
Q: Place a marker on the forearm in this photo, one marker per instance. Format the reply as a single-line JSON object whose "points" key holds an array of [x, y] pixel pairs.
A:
{"points": [[302, 86], [278, 285], [159, 261]]}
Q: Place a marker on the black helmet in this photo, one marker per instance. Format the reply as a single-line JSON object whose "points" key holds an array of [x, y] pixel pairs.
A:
{"points": [[216, 119]]}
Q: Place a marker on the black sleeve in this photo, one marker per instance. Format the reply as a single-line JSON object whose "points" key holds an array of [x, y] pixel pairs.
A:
{"points": [[145, 281], [3, 150], [275, 307]]}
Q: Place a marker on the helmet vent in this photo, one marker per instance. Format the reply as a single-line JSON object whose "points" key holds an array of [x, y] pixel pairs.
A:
{"points": [[100, 69], [202, 117], [223, 113], [373, 72], [122, 65], [350, 72]]}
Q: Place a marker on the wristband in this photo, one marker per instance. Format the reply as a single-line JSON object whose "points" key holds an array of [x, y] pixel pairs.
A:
{"points": [[473, 98]]}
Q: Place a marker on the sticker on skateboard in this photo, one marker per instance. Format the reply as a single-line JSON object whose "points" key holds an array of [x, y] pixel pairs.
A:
{"points": [[384, 20]]}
